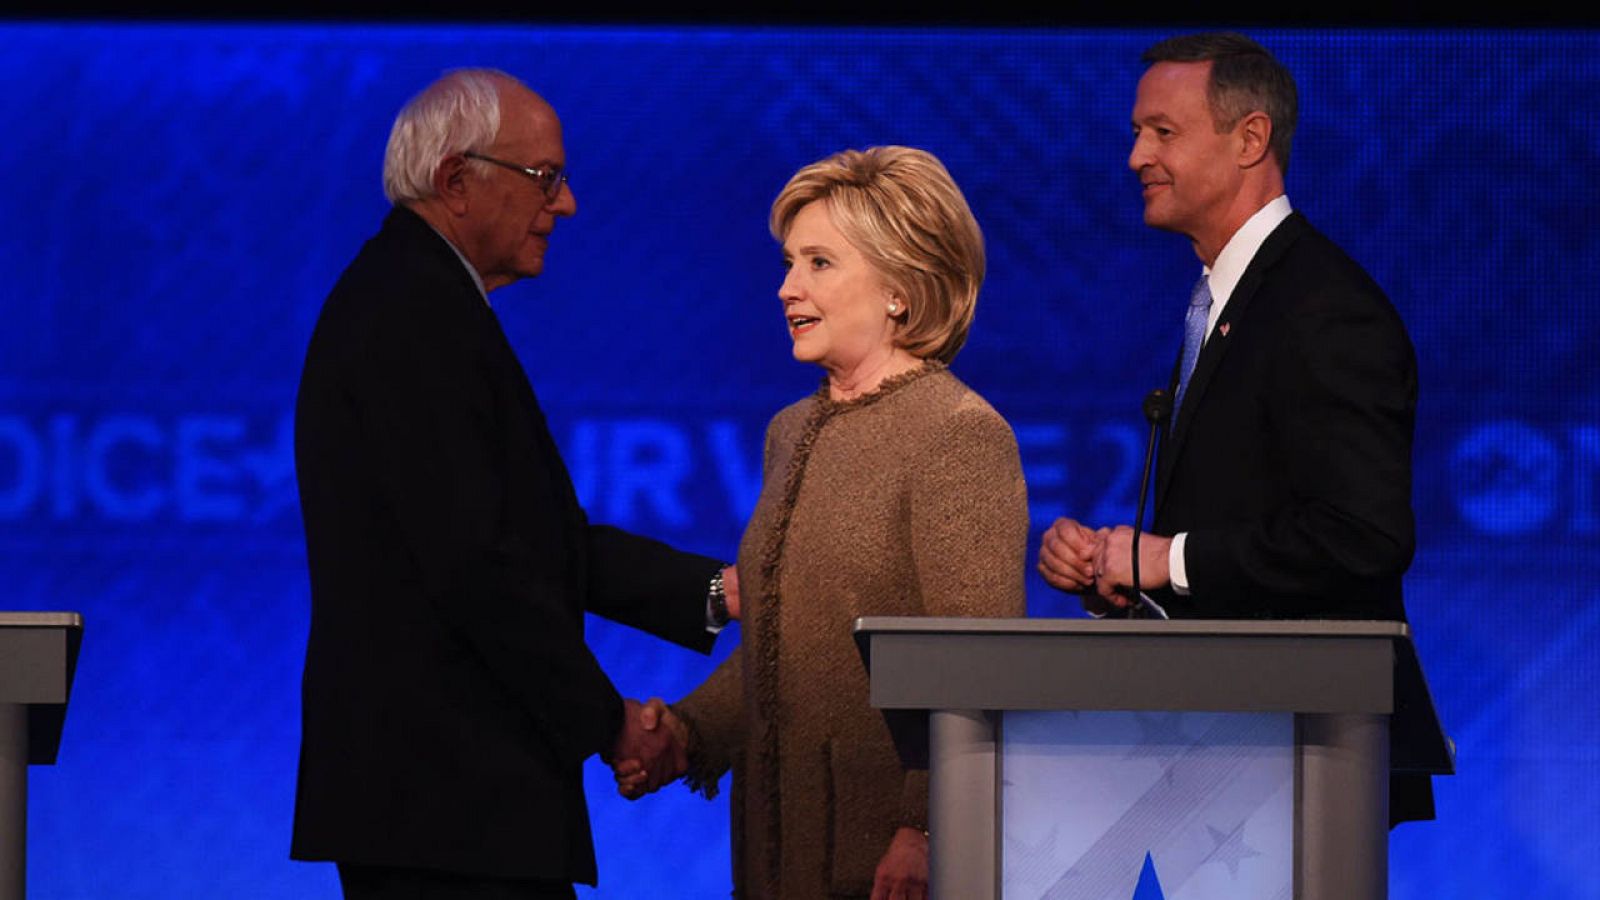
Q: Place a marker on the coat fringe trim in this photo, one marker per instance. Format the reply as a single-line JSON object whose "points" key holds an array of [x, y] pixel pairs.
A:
{"points": [[765, 670]]}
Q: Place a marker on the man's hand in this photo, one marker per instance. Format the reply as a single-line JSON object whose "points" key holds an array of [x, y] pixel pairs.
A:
{"points": [[646, 755], [903, 872], [730, 588], [1114, 566], [635, 776], [1067, 555]]}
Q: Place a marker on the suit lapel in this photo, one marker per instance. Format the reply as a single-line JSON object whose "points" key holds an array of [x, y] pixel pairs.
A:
{"points": [[1231, 326], [419, 234]]}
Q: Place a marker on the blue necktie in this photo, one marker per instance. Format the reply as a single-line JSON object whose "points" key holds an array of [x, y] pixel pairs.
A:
{"points": [[1194, 334]]}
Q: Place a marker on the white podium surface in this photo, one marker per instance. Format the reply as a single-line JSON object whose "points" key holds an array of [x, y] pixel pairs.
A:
{"points": [[1090, 799]]}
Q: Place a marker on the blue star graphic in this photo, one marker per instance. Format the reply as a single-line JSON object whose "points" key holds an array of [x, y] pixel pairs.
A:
{"points": [[1230, 848]]}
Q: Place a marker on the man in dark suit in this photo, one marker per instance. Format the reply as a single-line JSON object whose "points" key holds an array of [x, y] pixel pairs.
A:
{"points": [[449, 700], [1283, 485]]}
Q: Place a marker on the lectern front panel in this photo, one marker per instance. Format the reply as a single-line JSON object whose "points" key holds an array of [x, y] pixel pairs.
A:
{"points": [[1177, 805]]}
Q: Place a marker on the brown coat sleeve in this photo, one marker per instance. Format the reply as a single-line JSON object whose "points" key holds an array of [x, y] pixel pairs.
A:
{"points": [[714, 711], [714, 714], [969, 530]]}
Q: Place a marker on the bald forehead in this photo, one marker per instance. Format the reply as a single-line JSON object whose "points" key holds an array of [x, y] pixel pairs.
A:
{"points": [[525, 115], [530, 130], [517, 100]]}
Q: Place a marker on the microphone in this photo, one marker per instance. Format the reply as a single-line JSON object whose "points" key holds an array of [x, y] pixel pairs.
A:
{"points": [[1157, 410]]}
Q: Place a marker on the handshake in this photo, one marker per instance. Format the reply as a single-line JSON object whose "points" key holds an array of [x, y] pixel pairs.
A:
{"points": [[1098, 563], [652, 749]]}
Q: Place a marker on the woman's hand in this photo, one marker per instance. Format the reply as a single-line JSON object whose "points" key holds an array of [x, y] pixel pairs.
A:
{"points": [[903, 872], [730, 588]]}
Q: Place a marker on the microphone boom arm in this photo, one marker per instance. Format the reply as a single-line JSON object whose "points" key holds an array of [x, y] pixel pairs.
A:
{"points": [[1157, 408]]}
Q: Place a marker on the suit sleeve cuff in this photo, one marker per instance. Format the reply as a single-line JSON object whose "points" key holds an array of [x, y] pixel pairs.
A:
{"points": [[1177, 573]]}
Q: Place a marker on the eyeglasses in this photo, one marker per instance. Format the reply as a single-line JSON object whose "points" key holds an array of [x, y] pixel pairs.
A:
{"points": [[548, 178]]}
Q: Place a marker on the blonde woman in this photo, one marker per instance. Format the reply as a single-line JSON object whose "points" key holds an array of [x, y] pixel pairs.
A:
{"points": [[894, 490]]}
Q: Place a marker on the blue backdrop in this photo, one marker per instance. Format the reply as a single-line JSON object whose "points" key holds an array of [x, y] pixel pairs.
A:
{"points": [[180, 198]]}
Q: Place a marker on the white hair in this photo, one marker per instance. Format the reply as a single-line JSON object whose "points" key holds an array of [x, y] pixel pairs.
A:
{"points": [[458, 113]]}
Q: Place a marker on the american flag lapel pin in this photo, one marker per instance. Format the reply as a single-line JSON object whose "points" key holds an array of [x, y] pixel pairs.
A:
{"points": [[1223, 329]]}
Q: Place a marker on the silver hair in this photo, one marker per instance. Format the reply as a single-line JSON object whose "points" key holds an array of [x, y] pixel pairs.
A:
{"points": [[457, 113]]}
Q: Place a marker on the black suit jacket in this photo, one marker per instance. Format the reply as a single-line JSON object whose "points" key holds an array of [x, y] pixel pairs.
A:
{"points": [[449, 700], [1289, 464]]}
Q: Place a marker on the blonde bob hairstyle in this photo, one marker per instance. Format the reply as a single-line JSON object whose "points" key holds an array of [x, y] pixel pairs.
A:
{"points": [[899, 207]]}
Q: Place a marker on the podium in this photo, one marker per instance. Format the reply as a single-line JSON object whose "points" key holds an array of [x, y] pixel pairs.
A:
{"points": [[1303, 720], [38, 653]]}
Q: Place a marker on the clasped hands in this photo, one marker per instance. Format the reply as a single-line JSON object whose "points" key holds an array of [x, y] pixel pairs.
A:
{"points": [[652, 749], [646, 755], [1098, 563]]}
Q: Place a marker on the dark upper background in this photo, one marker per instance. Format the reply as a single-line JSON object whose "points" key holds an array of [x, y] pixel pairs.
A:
{"points": [[963, 13]]}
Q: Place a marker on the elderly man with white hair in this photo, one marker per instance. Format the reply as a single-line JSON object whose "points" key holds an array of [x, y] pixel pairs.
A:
{"points": [[449, 699]]}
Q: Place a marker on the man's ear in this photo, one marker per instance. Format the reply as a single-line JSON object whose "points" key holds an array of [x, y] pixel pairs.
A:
{"points": [[450, 183], [1255, 138]]}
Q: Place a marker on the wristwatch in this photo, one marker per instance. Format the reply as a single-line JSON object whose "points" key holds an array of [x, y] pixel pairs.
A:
{"points": [[717, 597]]}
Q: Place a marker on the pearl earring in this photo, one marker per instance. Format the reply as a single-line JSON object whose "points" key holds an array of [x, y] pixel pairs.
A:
{"points": [[894, 308]]}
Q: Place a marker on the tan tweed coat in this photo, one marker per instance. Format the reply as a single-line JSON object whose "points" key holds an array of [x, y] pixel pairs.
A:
{"points": [[905, 502]]}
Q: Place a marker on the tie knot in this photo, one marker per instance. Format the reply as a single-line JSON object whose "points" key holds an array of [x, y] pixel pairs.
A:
{"points": [[1201, 296]]}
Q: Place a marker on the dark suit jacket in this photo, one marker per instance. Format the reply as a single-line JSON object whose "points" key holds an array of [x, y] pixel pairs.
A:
{"points": [[1289, 464], [449, 700]]}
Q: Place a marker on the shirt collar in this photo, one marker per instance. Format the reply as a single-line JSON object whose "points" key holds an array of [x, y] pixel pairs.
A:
{"points": [[476, 279], [1224, 274]]}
